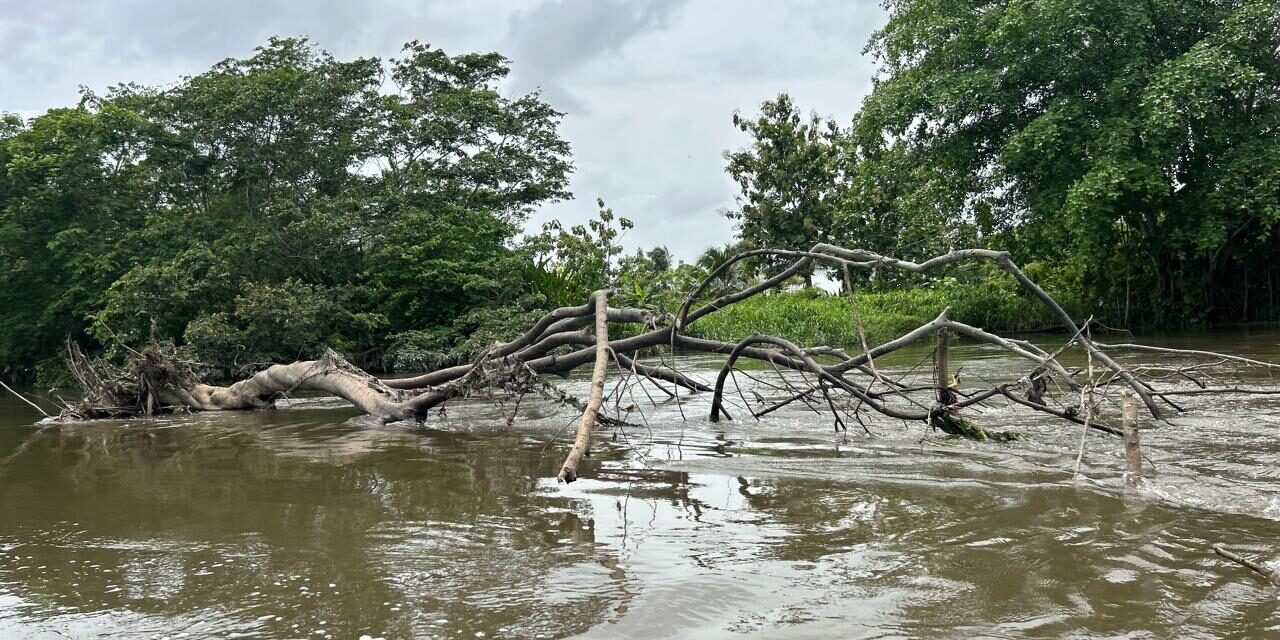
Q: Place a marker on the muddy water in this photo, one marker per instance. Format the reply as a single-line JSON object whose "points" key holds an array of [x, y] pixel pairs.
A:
{"points": [[309, 522]]}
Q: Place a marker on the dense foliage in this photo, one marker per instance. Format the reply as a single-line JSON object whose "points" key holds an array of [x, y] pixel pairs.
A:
{"points": [[1127, 154], [272, 205], [789, 179], [813, 317], [1135, 147]]}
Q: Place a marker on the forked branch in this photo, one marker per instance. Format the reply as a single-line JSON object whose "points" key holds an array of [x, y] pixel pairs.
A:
{"points": [[568, 338]]}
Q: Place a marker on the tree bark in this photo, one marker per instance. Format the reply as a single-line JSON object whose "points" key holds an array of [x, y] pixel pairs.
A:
{"points": [[326, 374], [582, 443], [1132, 445], [942, 370]]}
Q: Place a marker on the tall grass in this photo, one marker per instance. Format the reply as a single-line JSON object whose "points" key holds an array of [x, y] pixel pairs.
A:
{"points": [[808, 319]]}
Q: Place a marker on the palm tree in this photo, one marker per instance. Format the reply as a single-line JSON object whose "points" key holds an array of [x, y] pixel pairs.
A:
{"points": [[741, 274], [715, 256]]}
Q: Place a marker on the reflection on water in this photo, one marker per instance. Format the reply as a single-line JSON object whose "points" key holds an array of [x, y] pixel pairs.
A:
{"points": [[312, 523]]}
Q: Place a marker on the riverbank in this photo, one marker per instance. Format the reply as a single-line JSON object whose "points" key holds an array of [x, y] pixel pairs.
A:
{"points": [[810, 317]]}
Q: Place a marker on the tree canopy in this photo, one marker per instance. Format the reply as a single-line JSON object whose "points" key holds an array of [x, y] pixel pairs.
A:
{"points": [[272, 204], [1132, 146], [1127, 154], [789, 178], [1136, 142]]}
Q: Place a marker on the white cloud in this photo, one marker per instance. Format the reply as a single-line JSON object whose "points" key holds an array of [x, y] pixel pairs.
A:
{"points": [[649, 86]]}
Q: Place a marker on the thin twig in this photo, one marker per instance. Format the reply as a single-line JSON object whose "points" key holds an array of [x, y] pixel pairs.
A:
{"points": [[19, 396]]}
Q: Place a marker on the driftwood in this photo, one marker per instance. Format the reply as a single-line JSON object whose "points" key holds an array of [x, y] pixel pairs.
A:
{"points": [[1272, 575], [1132, 441], [849, 385], [581, 443]]}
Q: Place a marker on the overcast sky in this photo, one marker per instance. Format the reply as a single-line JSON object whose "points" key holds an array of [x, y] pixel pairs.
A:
{"points": [[649, 86]]}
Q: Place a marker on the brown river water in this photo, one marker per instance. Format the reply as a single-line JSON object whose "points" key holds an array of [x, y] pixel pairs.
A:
{"points": [[311, 522]]}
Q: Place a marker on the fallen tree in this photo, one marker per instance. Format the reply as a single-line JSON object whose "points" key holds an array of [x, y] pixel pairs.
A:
{"points": [[567, 338]]}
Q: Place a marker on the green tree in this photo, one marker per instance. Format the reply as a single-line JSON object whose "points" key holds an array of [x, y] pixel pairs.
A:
{"points": [[659, 258], [568, 264], [72, 192], [789, 178], [1134, 143], [464, 167], [256, 164], [339, 203]]}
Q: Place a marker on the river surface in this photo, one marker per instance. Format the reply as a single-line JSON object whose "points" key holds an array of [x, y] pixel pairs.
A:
{"points": [[311, 522]]}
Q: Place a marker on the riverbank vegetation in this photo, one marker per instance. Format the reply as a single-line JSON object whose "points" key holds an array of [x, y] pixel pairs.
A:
{"points": [[274, 205], [1125, 155], [814, 317], [1128, 154]]}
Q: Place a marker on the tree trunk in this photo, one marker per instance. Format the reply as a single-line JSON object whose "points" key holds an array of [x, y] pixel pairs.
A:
{"points": [[330, 374], [942, 370], [1132, 444], [582, 443], [1244, 312]]}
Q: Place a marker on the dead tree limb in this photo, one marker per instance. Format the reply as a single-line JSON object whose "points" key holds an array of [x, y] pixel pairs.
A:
{"points": [[1132, 443], [1273, 575], [1191, 352], [802, 362], [24, 399], [1002, 260], [869, 260], [538, 340], [717, 399], [582, 443], [565, 339]]}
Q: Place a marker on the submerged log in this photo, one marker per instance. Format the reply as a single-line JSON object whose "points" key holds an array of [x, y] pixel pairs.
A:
{"points": [[330, 374]]}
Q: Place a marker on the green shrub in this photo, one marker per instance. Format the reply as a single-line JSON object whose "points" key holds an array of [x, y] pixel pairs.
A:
{"points": [[463, 339], [270, 323], [997, 304]]}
